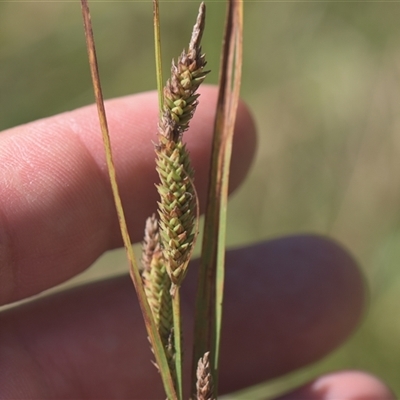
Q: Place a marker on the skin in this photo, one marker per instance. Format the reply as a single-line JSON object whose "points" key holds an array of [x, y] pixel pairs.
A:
{"points": [[289, 301]]}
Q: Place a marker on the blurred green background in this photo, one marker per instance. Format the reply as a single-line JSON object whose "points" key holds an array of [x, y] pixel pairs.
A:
{"points": [[322, 79]]}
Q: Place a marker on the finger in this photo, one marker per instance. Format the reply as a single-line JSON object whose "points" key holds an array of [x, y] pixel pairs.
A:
{"points": [[349, 385], [57, 214], [288, 303]]}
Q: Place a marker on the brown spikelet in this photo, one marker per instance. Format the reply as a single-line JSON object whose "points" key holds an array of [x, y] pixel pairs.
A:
{"points": [[151, 242], [180, 100], [204, 383]]}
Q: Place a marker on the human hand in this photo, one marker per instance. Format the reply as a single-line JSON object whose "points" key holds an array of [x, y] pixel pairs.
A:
{"points": [[289, 301]]}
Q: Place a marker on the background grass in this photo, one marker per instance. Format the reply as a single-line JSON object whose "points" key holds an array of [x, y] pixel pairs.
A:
{"points": [[323, 82]]}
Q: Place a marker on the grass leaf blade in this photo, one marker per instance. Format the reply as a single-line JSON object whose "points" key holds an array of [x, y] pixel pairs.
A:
{"points": [[157, 48], [209, 298], [147, 314]]}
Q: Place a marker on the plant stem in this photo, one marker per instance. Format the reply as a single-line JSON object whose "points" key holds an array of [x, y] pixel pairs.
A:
{"points": [[176, 310], [157, 48], [209, 297]]}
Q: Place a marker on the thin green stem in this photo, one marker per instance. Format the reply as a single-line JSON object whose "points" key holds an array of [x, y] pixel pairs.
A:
{"points": [[157, 48], [176, 311], [209, 298]]}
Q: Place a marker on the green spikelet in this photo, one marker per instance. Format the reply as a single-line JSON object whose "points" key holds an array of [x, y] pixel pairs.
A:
{"points": [[157, 285], [177, 206], [155, 279]]}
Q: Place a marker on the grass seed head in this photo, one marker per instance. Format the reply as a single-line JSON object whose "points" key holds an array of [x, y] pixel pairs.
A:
{"points": [[204, 382], [187, 74], [178, 206]]}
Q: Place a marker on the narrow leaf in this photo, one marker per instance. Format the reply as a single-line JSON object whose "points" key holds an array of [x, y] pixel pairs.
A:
{"points": [[147, 314], [211, 276], [157, 48]]}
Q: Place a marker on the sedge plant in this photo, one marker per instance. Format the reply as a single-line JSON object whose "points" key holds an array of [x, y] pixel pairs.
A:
{"points": [[170, 236]]}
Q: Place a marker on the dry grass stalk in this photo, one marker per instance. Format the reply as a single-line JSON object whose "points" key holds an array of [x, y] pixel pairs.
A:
{"points": [[209, 298], [204, 382], [177, 207]]}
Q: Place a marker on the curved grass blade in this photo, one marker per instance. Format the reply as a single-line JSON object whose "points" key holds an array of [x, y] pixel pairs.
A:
{"points": [[152, 332], [157, 48], [209, 298]]}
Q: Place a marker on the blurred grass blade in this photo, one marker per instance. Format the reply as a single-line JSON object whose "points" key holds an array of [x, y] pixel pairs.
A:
{"points": [[176, 307], [154, 336], [157, 49], [209, 298]]}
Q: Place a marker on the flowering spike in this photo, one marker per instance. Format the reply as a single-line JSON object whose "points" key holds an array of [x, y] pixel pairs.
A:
{"points": [[178, 207]]}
